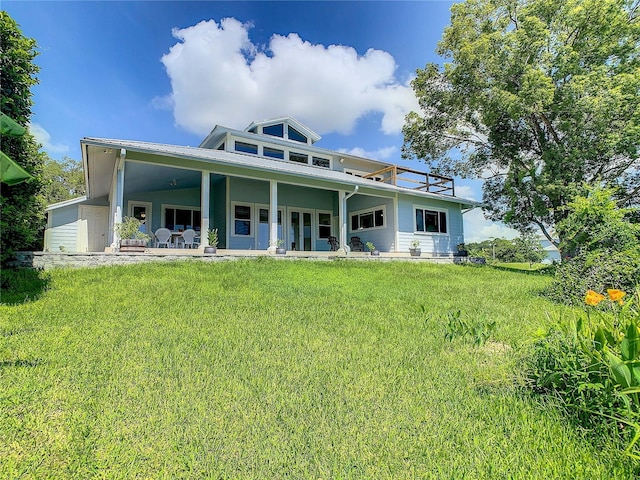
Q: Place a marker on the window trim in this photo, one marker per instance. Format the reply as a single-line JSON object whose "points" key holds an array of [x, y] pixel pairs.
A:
{"points": [[371, 210], [438, 210], [233, 219]]}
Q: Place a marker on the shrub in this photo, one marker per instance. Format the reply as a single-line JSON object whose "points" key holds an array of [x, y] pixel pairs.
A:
{"points": [[600, 245], [592, 366], [595, 270]]}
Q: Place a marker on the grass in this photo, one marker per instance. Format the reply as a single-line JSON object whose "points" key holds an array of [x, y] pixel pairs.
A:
{"points": [[271, 369]]}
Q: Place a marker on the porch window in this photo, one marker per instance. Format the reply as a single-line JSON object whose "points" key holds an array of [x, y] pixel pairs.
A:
{"points": [[431, 221], [366, 219], [324, 225], [182, 218], [246, 148], [242, 220]]}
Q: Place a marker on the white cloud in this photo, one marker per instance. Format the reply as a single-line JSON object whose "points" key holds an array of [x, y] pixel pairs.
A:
{"points": [[44, 138], [477, 228], [465, 191], [218, 76], [380, 154]]}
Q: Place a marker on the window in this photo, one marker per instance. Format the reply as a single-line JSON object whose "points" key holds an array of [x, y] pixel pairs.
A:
{"points": [[296, 135], [273, 153], [321, 162], [181, 218], [221, 146], [246, 148], [242, 220], [324, 225], [431, 221], [274, 130], [366, 219], [298, 157]]}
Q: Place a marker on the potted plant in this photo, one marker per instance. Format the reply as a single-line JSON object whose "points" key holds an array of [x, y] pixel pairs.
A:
{"points": [[462, 250], [212, 236], [414, 248], [132, 239], [280, 250], [372, 249]]}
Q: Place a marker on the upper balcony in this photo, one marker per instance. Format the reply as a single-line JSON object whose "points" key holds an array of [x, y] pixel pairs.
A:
{"points": [[414, 179]]}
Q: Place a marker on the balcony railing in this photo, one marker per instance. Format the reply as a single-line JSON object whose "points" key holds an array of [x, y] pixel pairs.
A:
{"points": [[414, 179]]}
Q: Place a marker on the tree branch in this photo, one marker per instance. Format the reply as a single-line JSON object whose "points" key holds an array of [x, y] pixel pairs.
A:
{"points": [[546, 233]]}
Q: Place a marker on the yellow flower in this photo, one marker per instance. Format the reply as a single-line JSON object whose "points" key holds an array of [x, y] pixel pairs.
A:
{"points": [[616, 295], [593, 298]]}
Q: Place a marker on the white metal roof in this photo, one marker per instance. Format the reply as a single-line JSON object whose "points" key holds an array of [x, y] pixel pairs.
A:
{"points": [[257, 163]]}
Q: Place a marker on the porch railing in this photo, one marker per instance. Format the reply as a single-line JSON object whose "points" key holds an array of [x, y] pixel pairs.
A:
{"points": [[414, 179]]}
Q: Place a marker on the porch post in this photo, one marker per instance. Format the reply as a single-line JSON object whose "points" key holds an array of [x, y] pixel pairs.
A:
{"points": [[204, 209], [342, 218], [119, 196], [273, 215]]}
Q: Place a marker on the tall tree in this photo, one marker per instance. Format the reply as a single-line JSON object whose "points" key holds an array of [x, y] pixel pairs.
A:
{"points": [[539, 98], [22, 213], [62, 180]]}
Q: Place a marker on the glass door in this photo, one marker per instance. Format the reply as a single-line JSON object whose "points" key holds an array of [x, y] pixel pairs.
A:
{"points": [[300, 230]]}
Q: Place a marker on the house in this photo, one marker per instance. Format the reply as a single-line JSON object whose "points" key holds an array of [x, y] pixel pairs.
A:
{"points": [[269, 181]]}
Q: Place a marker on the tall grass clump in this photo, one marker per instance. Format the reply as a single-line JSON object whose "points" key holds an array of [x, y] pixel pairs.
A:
{"points": [[591, 366]]}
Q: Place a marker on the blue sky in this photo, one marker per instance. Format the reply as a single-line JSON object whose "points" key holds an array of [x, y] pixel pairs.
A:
{"points": [[167, 72]]}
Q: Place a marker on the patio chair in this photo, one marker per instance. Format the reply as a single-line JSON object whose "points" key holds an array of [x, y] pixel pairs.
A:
{"points": [[333, 241], [356, 244], [163, 237], [186, 240]]}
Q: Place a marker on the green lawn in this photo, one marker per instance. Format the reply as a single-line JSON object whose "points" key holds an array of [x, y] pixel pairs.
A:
{"points": [[269, 369]]}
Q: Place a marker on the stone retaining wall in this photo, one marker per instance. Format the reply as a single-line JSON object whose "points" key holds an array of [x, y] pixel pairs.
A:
{"points": [[48, 260]]}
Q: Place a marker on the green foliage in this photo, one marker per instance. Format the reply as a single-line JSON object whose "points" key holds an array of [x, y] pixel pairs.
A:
{"points": [[62, 180], [370, 246], [526, 248], [271, 369], [130, 228], [540, 96], [22, 215], [212, 237], [605, 248], [593, 367], [477, 331]]}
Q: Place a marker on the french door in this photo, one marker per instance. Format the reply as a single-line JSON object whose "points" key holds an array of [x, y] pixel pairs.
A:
{"points": [[300, 230]]}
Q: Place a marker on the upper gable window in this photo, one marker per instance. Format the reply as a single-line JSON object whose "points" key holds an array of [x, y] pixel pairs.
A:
{"points": [[276, 130], [296, 135]]}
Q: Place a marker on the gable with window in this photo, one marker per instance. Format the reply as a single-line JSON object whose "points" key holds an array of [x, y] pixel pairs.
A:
{"points": [[430, 221]]}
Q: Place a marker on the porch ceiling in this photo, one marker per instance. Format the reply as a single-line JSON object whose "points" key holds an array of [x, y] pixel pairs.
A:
{"points": [[141, 177]]}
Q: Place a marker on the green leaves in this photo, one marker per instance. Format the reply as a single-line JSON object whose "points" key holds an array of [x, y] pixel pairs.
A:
{"points": [[539, 96]]}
